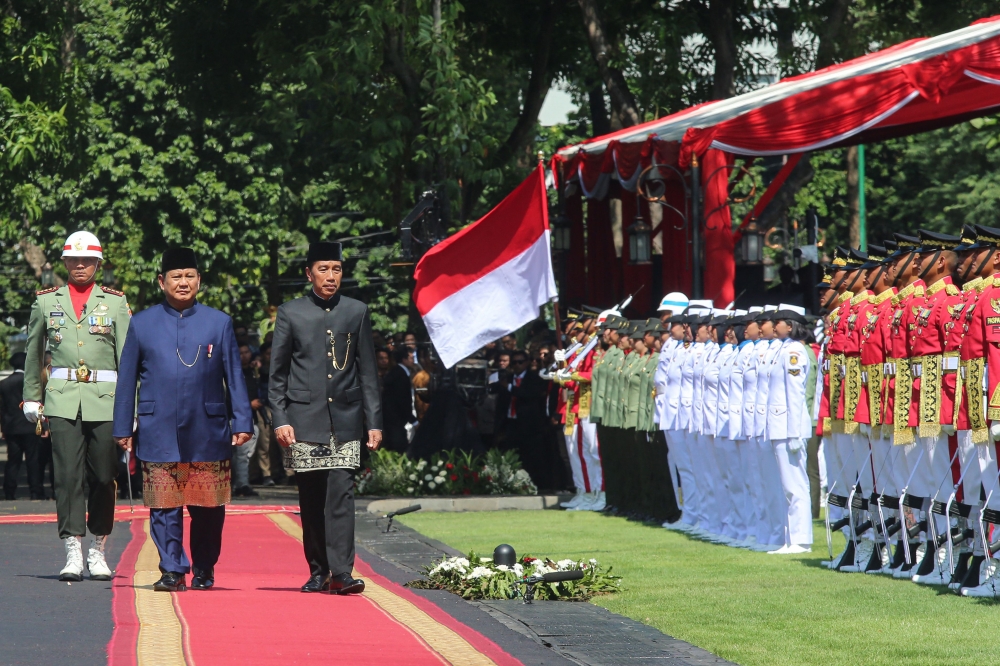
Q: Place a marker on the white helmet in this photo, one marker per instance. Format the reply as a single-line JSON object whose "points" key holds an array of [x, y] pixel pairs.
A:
{"points": [[82, 244], [675, 301]]}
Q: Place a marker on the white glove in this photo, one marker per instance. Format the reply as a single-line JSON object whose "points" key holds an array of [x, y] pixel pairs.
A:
{"points": [[564, 375], [948, 430], [796, 445], [995, 431], [33, 411], [559, 355], [865, 429]]}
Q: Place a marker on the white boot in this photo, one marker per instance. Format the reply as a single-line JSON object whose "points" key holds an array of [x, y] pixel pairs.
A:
{"points": [[990, 588], [99, 569], [599, 502], [576, 500], [588, 499], [73, 571]]}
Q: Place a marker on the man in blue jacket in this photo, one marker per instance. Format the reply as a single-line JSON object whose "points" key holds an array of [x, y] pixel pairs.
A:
{"points": [[192, 407]]}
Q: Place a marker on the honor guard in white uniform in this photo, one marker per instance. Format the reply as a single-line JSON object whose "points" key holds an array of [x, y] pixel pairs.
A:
{"points": [[772, 531], [712, 469], [789, 425], [729, 484], [694, 501], [667, 382], [747, 332]]}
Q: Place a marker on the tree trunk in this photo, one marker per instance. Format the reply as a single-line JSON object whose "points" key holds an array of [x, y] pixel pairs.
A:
{"points": [[721, 22], [853, 191], [826, 54], [622, 101], [599, 122], [539, 83], [273, 272], [830, 39]]}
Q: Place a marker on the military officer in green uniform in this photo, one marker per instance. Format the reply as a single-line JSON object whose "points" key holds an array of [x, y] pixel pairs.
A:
{"points": [[84, 326]]}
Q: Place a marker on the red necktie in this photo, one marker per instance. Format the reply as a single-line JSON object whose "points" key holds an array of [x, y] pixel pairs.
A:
{"points": [[513, 400]]}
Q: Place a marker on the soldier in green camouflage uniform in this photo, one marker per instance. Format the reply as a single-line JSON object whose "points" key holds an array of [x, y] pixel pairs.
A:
{"points": [[78, 398]]}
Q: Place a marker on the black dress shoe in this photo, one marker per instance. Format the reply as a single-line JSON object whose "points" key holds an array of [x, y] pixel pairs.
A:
{"points": [[170, 582], [344, 584], [317, 583], [202, 579]]}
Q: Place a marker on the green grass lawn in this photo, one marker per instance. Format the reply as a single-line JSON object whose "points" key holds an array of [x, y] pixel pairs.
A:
{"points": [[750, 608]]}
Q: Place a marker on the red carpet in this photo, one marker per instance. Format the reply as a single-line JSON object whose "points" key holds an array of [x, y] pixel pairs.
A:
{"points": [[122, 513], [256, 614]]}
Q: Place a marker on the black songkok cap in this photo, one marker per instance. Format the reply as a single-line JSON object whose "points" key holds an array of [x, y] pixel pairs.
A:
{"points": [[178, 257], [987, 236], [932, 241], [877, 255], [905, 244], [323, 251]]}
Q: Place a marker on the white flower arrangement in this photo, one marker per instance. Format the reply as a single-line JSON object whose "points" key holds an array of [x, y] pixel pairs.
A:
{"points": [[487, 580]]}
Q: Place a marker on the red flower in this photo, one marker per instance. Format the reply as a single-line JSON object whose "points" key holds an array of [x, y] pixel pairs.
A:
{"points": [[475, 476], [527, 559], [466, 491], [449, 466], [453, 477]]}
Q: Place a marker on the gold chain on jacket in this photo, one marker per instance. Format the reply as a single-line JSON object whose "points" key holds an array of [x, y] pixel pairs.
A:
{"points": [[333, 351]]}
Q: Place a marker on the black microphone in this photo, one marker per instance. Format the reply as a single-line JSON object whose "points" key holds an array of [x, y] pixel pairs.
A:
{"points": [[559, 576], [409, 509], [390, 516]]}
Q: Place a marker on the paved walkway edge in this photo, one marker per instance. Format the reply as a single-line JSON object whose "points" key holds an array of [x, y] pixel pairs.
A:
{"points": [[483, 503]]}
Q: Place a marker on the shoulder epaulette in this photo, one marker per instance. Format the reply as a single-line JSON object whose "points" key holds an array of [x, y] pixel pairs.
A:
{"points": [[846, 296], [987, 282], [109, 290], [972, 284], [918, 291], [863, 296], [951, 290], [46, 291]]}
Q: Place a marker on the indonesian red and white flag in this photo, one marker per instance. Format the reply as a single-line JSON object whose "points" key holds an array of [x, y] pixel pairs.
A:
{"points": [[490, 278]]}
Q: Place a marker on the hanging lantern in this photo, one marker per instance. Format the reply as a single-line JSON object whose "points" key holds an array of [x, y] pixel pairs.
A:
{"points": [[639, 243], [108, 275], [48, 278], [559, 229], [752, 245]]}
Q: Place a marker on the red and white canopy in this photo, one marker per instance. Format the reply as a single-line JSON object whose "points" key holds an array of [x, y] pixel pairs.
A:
{"points": [[908, 88]]}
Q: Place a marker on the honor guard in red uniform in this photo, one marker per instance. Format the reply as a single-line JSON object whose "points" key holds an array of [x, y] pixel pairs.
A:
{"points": [[872, 319], [931, 372], [980, 353], [841, 464], [975, 274]]}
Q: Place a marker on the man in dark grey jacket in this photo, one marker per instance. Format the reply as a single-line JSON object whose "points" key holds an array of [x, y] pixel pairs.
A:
{"points": [[324, 399]]}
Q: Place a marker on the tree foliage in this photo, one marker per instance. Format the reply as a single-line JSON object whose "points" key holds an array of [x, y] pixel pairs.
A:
{"points": [[247, 130]]}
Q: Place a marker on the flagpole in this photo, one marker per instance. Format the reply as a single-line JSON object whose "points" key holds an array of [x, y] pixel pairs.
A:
{"points": [[555, 303]]}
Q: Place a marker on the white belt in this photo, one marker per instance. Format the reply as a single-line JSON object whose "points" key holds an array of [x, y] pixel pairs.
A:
{"points": [[826, 365], [889, 369], [916, 369], [949, 363], [864, 377], [69, 374], [842, 369]]}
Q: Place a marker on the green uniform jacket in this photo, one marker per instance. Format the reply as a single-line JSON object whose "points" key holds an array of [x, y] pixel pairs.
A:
{"points": [[598, 384], [649, 405], [94, 340], [614, 414], [633, 389]]}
